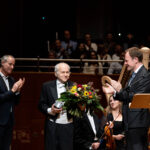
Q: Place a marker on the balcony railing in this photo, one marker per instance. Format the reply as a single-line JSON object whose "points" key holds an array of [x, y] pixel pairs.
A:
{"points": [[43, 64]]}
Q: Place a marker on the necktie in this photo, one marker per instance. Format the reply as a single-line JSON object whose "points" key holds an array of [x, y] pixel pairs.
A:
{"points": [[132, 77]]}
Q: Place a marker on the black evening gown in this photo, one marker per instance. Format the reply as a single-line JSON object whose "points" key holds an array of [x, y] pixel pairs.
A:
{"points": [[118, 129]]}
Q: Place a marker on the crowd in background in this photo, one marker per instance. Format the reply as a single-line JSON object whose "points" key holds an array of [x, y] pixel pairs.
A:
{"points": [[109, 48]]}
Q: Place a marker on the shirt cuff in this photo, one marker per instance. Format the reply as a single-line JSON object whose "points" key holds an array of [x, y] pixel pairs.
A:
{"points": [[115, 93], [17, 93], [49, 111]]}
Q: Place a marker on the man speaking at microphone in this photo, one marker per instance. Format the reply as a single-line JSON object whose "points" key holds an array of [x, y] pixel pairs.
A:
{"points": [[136, 121]]}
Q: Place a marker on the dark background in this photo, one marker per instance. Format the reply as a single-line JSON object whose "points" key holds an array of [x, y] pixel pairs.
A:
{"points": [[26, 25]]}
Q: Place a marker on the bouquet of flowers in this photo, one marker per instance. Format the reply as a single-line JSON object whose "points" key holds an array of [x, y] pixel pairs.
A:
{"points": [[80, 98]]}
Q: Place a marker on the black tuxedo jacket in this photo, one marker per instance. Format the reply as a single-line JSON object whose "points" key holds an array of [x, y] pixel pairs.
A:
{"points": [[7, 100], [49, 96], [140, 84], [83, 132]]}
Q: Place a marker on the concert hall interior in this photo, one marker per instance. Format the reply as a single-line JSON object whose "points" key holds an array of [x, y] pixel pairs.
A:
{"points": [[38, 34]]}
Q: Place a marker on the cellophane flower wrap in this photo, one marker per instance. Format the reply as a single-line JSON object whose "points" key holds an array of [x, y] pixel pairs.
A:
{"points": [[80, 98]]}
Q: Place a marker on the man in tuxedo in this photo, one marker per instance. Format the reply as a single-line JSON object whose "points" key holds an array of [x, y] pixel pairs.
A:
{"points": [[87, 132], [9, 96], [136, 120], [58, 126]]}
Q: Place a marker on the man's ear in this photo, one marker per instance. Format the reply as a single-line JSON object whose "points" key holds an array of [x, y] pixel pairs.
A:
{"points": [[136, 59], [55, 74]]}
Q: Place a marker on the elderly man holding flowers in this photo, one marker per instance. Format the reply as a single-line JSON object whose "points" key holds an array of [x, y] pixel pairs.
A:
{"points": [[58, 128]]}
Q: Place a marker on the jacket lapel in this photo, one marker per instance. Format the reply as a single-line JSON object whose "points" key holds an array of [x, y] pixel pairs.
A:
{"points": [[3, 84], [53, 88], [138, 75]]}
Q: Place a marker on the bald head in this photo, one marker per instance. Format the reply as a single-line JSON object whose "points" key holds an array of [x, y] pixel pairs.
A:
{"points": [[59, 65], [62, 72]]}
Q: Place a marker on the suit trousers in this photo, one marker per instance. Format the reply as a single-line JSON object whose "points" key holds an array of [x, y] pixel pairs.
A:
{"points": [[6, 134], [137, 139], [58, 136]]}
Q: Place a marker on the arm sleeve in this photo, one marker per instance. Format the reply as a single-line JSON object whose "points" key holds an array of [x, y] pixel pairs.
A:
{"points": [[142, 86]]}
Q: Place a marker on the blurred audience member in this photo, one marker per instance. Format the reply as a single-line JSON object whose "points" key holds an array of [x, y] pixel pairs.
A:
{"points": [[52, 55], [68, 44], [61, 53], [93, 67], [109, 42], [80, 52], [129, 41], [89, 45], [103, 55], [115, 67]]}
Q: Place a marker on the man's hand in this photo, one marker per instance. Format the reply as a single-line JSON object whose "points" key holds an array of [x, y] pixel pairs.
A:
{"points": [[95, 145], [108, 89], [21, 83], [116, 85], [18, 85], [55, 110]]}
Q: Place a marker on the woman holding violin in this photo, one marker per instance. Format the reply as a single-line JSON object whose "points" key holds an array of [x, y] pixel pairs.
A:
{"points": [[114, 130]]}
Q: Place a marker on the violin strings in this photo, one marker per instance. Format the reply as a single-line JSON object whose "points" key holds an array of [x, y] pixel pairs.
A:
{"points": [[108, 128]]}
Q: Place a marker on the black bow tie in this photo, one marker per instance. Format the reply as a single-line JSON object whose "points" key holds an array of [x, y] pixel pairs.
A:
{"points": [[60, 85]]}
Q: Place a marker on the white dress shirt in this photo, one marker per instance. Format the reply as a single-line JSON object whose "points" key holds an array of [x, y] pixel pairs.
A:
{"points": [[60, 88], [92, 123], [62, 117]]}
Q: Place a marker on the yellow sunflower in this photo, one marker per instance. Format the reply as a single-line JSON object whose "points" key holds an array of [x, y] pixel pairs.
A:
{"points": [[86, 93]]}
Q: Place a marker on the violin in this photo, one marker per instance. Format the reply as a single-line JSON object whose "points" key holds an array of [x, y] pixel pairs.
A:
{"points": [[110, 141], [108, 134]]}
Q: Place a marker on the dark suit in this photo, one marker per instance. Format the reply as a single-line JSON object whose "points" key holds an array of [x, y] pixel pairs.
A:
{"points": [[7, 101], [136, 120], [83, 132], [54, 133]]}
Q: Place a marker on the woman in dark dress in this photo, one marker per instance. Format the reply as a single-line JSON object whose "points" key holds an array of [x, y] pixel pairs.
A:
{"points": [[115, 121]]}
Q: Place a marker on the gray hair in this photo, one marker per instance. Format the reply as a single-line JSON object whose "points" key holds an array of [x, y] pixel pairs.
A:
{"points": [[58, 65], [5, 58]]}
